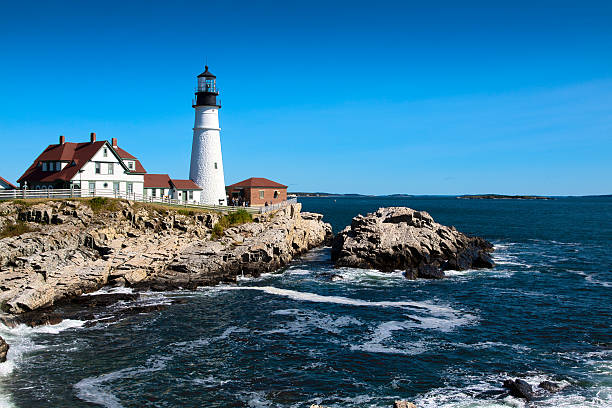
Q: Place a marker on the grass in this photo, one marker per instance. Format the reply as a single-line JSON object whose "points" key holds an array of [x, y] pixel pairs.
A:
{"points": [[230, 220], [16, 229], [100, 204]]}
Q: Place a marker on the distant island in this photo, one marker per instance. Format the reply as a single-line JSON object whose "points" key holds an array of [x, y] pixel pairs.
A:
{"points": [[303, 194], [503, 197]]}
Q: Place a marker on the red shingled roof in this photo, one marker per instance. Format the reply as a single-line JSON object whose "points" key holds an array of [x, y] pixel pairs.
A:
{"points": [[11, 185], [78, 154], [157, 181], [258, 182], [184, 185]]}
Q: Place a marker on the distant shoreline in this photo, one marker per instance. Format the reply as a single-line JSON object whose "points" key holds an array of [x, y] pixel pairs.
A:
{"points": [[464, 196], [503, 197]]}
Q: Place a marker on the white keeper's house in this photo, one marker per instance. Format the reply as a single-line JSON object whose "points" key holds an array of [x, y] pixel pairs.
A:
{"points": [[101, 168]]}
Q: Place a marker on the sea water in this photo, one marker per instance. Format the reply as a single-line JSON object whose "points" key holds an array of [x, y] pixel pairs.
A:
{"points": [[356, 338]]}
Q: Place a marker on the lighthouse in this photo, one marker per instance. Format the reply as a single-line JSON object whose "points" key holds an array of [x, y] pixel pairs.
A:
{"points": [[206, 161]]}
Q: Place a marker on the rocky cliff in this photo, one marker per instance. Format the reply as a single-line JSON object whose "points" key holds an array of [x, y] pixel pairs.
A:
{"points": [[78, 247], [400, 238]]}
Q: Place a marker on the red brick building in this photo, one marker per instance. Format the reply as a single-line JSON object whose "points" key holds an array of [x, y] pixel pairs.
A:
{"points": [[257, 191]]}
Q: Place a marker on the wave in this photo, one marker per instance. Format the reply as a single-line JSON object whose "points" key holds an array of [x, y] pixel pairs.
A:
{"points": [[340, 300], [95, 390]]}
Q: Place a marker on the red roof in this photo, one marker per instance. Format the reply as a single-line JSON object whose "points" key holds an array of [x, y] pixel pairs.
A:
{"points": [[157, 181], [138, 168], [78, 154], [185, 185], [5, 181], [258, 182]]}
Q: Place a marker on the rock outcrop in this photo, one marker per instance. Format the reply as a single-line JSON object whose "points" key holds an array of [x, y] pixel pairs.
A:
{"points": [[4, 348], [519, 388], [400, 238], [79, 250]]}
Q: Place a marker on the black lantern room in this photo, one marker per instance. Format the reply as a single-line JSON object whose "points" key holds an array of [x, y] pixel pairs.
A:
{"points": [[206, 91]]}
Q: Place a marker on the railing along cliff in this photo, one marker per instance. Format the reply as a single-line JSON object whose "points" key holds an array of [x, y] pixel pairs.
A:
{"points": [[109, 193]]}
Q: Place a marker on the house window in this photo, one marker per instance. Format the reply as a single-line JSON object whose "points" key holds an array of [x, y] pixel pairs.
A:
{"points": [[44, 166], [105, 152], [153, 192], [111, 168], [275, 194], [191, 195], [261, 194], [58, 166], [130, 165], [116, 187], [130, 188], [105, 185], [92, 187], [98, 168]]}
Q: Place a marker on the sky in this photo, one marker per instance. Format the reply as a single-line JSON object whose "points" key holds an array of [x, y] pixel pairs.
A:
{"points": [[505, 97]]}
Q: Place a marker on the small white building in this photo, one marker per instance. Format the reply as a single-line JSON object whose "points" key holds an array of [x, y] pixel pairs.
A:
{"points": [[94, 167], [6, 185], [160, 187]]}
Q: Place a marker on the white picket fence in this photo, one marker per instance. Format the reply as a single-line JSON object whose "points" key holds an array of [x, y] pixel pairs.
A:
{"points": [[109, 193]]}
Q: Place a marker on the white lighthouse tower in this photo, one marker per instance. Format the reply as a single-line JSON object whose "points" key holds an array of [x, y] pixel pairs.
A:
{"points": [[206, 161]]}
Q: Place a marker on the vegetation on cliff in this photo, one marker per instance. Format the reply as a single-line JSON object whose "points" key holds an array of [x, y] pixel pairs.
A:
{"points": [[232, 219]]}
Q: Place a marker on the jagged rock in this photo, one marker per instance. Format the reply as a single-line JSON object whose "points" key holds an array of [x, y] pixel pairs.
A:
{"points": [[550, 386], [519, 388], [400, 238], [4, 348], [140, 246], [403, 404]]}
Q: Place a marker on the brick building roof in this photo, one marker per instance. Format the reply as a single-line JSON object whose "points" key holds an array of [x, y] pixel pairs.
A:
{"points": [[259, 182]]}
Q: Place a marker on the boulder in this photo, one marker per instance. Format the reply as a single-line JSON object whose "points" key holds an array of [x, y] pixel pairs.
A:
{"points": [[400, 238], [519, 388], [550, 386], [4, 348], [403, 404]]}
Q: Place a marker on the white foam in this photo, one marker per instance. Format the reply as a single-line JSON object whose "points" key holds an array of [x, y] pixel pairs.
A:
{"points": [[306, 320], [20, 341], [96, 390], [110, 290], [340, 300]]}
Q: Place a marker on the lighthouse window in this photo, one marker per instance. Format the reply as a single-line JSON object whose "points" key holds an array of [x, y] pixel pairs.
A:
{"points": [[215, 165]]}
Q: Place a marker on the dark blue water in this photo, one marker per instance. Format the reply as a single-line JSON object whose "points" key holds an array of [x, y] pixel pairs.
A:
{"points": [[298, 337]]}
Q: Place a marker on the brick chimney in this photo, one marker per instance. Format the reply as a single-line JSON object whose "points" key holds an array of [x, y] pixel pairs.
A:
{"points": [[114, 142], [93, 137], [62, 139]]}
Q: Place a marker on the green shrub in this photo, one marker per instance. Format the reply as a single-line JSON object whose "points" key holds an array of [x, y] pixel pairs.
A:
{"points": [[183, 211], [98, 204], [234, 218], [16, 229]]}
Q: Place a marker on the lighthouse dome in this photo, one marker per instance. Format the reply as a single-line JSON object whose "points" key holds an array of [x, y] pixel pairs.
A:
{"points": [[206, 73]]}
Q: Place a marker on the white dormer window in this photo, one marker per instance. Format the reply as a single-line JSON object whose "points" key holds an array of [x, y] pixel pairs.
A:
{"points": [[130, 165]]}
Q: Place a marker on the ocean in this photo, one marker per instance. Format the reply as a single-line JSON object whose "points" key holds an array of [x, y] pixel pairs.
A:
{"points": [[355, 338]]}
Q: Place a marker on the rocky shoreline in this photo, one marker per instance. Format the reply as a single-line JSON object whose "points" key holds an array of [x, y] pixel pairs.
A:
{"points": [[80, 248]]}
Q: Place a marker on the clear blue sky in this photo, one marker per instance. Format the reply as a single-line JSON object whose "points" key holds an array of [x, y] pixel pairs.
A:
{"points": [[366, 97]]}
